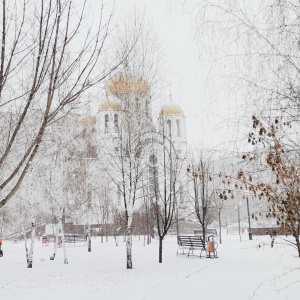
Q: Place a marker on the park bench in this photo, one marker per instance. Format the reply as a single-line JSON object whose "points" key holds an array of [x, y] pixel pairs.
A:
{"points": [[191, 243]]}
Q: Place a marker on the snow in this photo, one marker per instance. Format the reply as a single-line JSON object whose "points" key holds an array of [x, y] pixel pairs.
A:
{"points": [[243, 271]]}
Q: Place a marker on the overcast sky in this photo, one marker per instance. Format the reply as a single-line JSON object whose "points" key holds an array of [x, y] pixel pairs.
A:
{"points": [[194, 82]]}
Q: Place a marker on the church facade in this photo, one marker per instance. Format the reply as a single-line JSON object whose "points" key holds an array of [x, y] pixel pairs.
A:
{"points": [[123, 156]]}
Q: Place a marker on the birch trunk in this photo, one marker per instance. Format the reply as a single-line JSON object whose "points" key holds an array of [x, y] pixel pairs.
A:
{"points": [[55, 243], [129, 248], [25, 239], [30, 255], [115, 237], [63, 242], [89, 238], [106, 233]]}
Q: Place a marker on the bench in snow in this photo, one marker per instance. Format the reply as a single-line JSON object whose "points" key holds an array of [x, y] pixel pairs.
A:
{"points": [[191, 243]]}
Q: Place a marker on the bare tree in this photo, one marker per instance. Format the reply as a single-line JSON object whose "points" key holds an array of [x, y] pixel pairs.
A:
{"points": [[49, 57], [126, 144], [104, 208], [166, 169], [203, 194], [281, 187]]}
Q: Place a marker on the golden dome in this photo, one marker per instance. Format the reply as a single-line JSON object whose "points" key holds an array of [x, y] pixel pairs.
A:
{"points": [[110, 106], [171, 110], [88, 121], [127, 84]]}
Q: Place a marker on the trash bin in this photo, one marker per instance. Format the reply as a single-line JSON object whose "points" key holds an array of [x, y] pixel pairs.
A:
{"points": [[45, 240], [211, 247]]}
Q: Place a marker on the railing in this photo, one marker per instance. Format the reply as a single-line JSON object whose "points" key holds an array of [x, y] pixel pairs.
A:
{"points": [[75, 238]]}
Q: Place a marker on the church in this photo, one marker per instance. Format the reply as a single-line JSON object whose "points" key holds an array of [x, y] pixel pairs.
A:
{"points": [[122, 158], [133, 152]]}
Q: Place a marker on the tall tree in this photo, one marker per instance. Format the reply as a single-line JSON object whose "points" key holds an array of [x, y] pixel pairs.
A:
{"points": [[166, 169], [280, 183], [49, 57], [125, 143], [201, 174]]}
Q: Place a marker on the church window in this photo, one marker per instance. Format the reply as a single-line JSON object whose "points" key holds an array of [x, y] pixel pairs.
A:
{"points": [[181, 194], [137, 104], [169, 127], [178, 127], [116, 123], [106, 123]]}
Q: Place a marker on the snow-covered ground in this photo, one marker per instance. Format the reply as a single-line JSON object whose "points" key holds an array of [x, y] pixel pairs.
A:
{"points": [[242, 271]]}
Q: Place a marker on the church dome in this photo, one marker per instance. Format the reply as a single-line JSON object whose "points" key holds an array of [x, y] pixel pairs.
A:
{"points": [[110, 106], [88, 121], [171, 110], [127, 84]]}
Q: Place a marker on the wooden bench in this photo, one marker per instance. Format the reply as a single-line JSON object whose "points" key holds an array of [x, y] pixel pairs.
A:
{"points": [[191, 243], [209, 232]]}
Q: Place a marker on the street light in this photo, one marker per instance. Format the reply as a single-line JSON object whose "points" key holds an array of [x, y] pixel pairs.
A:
{"points": [[249, 230]]}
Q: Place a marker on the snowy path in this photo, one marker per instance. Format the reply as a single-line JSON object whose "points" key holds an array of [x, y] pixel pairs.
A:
{"points": [[241, 272]]}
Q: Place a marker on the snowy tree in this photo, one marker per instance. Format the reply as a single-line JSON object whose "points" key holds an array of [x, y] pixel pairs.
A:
{"points": [[165, 186], [281, 187], [49, 57], [202, 193], [129, 104], [104, 209]]}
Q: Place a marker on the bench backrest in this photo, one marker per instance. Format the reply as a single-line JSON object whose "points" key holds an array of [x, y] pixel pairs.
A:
{"points": [[191, 241]]}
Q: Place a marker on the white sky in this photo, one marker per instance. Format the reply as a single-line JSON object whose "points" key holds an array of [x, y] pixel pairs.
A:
{"points": [[192, 81]]}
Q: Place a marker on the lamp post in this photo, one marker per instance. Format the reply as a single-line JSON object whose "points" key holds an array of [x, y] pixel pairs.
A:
{"points": [[249, 230]]}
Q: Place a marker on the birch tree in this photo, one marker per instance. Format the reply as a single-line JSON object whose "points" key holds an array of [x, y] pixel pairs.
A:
{"points": [[258, 44], [50, 56], [131, 90], [56, 194]]}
